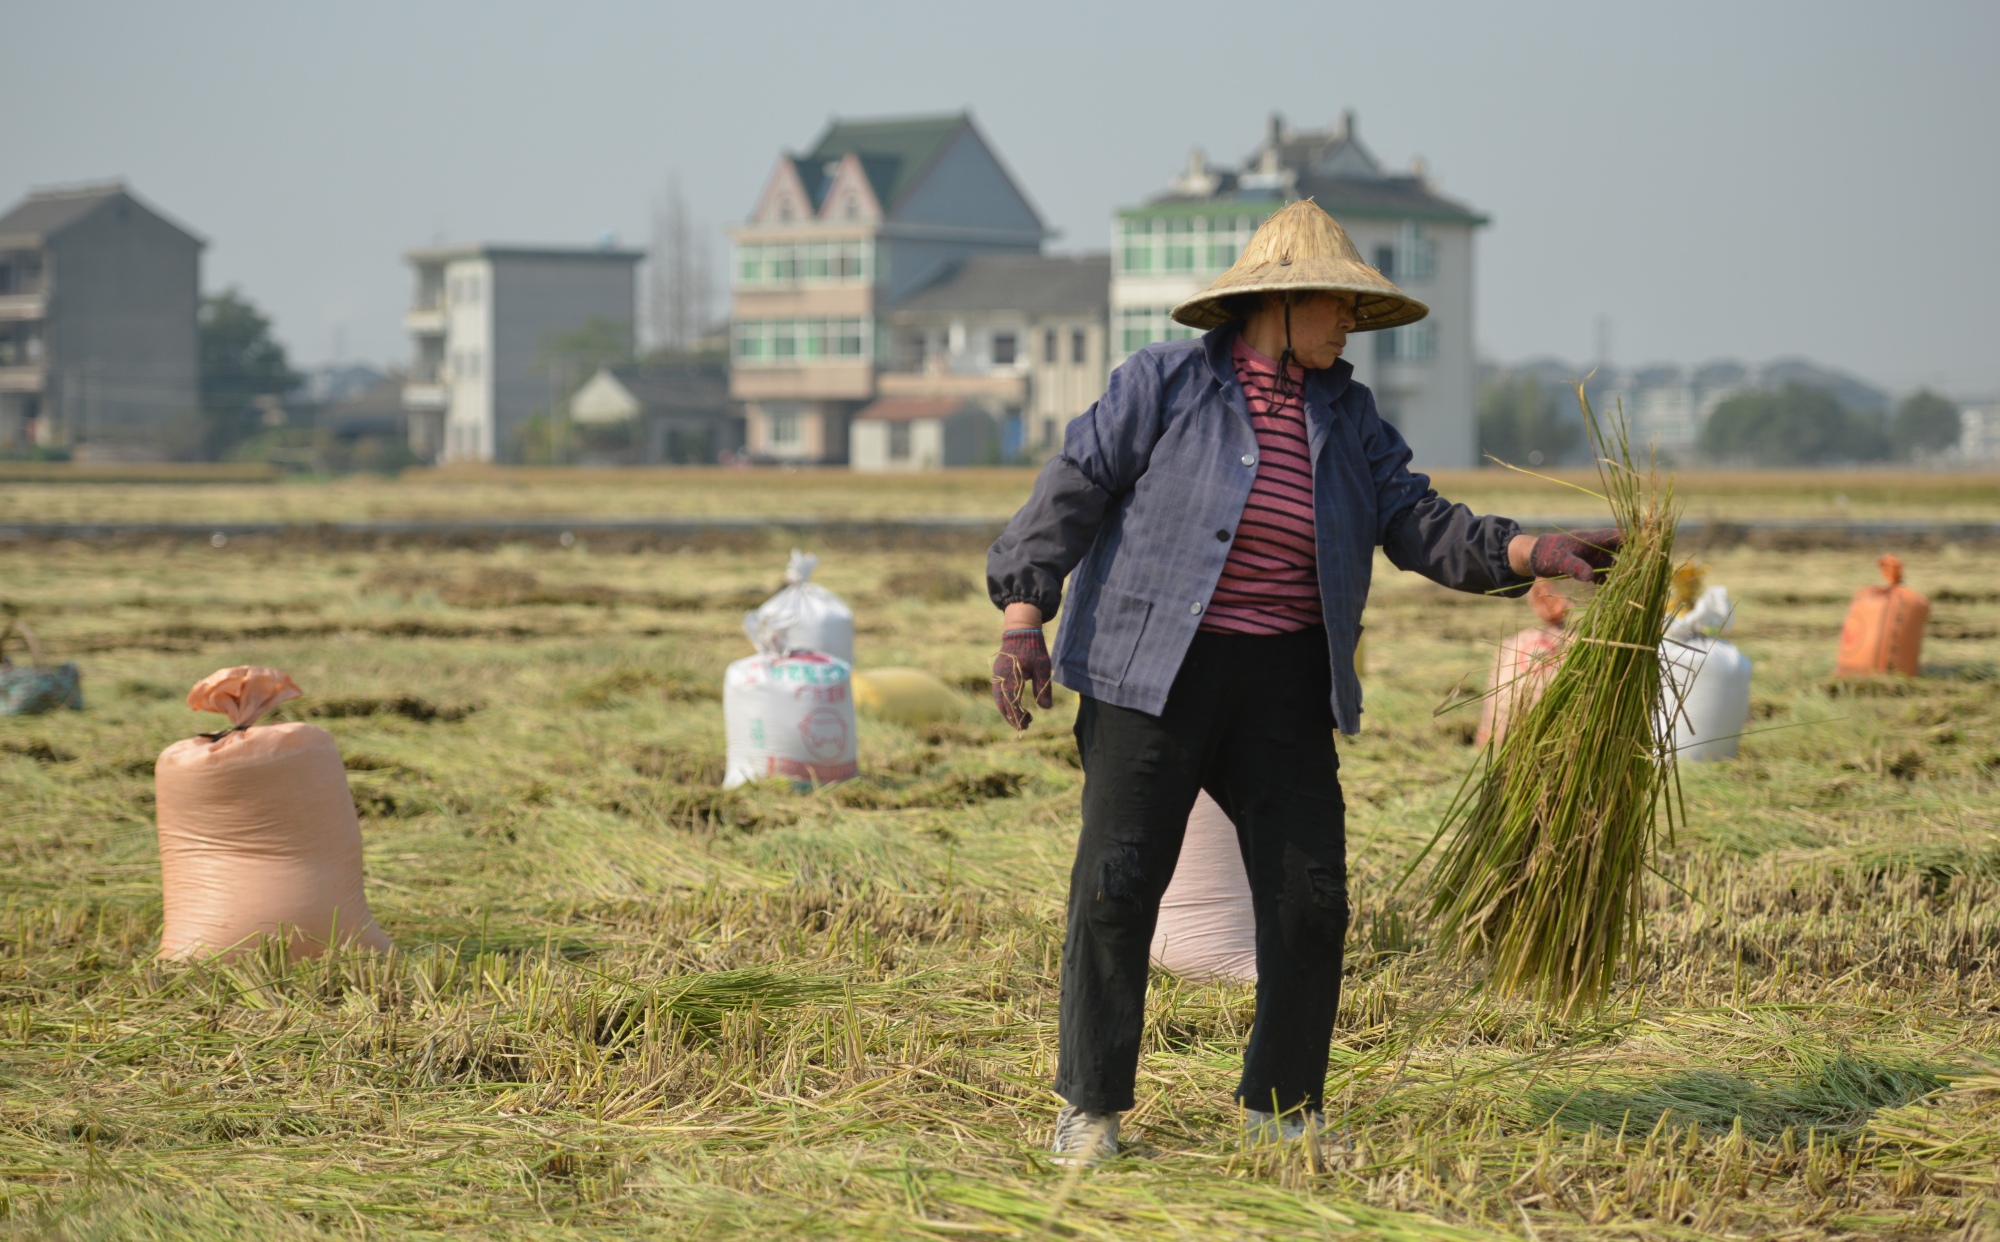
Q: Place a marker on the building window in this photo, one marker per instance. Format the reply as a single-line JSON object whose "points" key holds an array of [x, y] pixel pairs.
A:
{"points": [[899, 442], [1140, 326], [1048, 433], [784, 341], [1414, 342], [1051, 347], [1192, 244], [1136, 254], [1079, 347], [1416, 253], [823, 263], [1180, 246], [1385, 261], [784, 431], [1003, 349]]}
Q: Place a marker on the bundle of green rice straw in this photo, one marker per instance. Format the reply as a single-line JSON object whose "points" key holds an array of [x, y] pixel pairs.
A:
{"points": [[1556, 826]]}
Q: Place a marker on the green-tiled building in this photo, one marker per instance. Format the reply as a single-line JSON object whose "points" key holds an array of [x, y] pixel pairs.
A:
{"points": [[1423, 375]]}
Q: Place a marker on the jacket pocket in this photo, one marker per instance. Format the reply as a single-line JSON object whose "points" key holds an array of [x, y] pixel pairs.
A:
{"points": [[1121, 620]]}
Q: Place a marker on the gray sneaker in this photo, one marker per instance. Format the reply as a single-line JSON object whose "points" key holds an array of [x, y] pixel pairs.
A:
{"points": [[1084, 1137], [1327, 1149], [1262, 1127]]}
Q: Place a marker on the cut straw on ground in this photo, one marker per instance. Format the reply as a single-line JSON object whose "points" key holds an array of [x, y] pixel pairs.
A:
{"points": [[626, 1003]]}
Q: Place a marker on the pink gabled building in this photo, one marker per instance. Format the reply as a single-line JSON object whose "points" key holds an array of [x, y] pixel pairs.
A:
{"points": [[875, 211]]}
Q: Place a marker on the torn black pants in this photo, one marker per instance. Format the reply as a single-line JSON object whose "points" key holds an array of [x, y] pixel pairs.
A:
{"points": [[1248, 720]]}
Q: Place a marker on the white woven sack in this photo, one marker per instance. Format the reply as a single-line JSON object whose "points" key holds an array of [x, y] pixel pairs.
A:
{"points": [[811, 617], [1207, 927], [1709, 702], [791, 716]]}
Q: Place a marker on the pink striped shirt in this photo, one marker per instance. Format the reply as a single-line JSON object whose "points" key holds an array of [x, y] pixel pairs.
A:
{"points": [[1270, 584]]}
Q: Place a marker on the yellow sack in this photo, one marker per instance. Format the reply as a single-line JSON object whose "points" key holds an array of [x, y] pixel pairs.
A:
{"points": [[257, 830], [906, 696]]}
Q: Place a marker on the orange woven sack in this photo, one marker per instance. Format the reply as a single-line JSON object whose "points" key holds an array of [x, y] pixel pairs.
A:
{"points": [[1884, 630], [258, 835]]}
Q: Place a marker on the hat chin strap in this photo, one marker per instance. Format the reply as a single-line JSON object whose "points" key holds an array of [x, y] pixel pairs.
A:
{"points": [[1287, 358]]}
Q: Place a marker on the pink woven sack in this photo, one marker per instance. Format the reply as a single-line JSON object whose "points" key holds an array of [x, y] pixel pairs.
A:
{"points": [[1207, 927], [258, 835], [1524, 664]]}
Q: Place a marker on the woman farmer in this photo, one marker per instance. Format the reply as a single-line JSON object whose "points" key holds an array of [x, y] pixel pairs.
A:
{"points": [[1216, 513]]}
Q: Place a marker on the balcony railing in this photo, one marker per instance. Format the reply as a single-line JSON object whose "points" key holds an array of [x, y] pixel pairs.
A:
{"points": [[15, 307], [425, 319], [1009, 388], [418, 396], [21, 378]]}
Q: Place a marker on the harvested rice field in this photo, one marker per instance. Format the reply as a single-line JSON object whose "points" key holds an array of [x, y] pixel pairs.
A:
{"points": [[626, 1002]]}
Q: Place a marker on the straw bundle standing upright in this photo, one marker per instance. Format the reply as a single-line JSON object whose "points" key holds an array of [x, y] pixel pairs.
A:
{"points": [[1551, 836]]}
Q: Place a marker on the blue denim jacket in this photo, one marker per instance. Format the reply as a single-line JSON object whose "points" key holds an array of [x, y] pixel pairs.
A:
{"points": [[1140, 507]]}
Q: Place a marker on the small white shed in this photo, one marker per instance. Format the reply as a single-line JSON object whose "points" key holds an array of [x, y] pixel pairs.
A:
{"points": [[923, 433]]}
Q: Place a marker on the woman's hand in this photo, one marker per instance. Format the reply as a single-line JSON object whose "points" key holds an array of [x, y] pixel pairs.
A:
{"points": [[1584, 555], [1022, 666]]}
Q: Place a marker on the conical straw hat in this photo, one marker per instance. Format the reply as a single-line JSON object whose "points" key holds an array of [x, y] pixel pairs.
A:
{"points": [[1303, 250]]}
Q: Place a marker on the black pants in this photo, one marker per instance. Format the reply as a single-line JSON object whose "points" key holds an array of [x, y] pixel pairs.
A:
{"points": [[1248, 720]]}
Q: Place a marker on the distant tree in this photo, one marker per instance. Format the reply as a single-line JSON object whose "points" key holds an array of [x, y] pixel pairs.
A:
{"points": [[680, 276], [569, 359], [1925, 423], [1796, 425], [573, 357], [240, 362], [1519, 423]]}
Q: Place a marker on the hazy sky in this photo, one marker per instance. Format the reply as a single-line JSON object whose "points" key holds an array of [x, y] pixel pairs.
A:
{"points": [[1741, 179]]}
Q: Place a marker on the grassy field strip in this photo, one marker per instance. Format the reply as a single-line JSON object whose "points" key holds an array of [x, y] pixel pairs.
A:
{"points": [[460, 493]]}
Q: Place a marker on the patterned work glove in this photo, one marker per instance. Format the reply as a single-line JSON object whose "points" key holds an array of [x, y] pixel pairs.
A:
{"points": [[1583, 556], [1022, 665]]}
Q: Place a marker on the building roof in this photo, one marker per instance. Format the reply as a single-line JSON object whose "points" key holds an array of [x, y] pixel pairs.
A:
{"points": [[912, 409], [690, 388], [894, 152], [503, 250], [1330, 166], [1407, 197], [1031, 284], [47, 212], [377, 407]]}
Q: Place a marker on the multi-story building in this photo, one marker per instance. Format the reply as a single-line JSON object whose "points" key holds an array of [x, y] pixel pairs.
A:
{"points": [[1423, 375], [100, 351], [486, 325], [1979, 432], [1023, 334], [873, 212]]}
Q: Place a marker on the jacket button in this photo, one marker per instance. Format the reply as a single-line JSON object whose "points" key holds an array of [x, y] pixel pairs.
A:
{"points": [[1195, 608], [1249, 459], [1222, 536]]}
